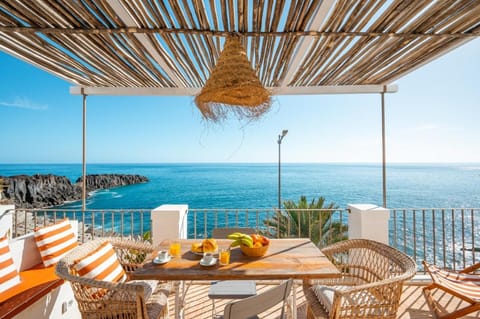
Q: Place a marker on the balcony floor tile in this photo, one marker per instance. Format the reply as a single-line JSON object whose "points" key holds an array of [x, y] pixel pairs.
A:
{"points": [[413, 304]]}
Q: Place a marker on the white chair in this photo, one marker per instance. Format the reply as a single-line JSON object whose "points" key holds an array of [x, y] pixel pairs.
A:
{"points": [[252, 306], [231, 289]]}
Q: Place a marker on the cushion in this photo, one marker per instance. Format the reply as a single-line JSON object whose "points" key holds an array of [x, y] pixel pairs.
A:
{"points": [[33, 277], [149, 286], [101, 264], [325, 295], [55, 241], [9, 277]]}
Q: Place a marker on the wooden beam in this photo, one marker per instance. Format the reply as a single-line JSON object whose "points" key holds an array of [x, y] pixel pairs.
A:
{"points": [[139, 91], [333, 89], [179, 91], [219, 33]]}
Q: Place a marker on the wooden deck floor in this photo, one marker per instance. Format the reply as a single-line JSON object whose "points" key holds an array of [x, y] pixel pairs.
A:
{"points": [[413, 304]]}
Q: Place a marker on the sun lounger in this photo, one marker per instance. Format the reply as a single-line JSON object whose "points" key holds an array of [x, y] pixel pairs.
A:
{"points": [[462, 284]]}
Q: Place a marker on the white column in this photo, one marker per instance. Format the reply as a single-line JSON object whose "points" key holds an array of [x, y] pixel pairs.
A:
{"points": [[169, 222], [6, 220], [368, 222]]}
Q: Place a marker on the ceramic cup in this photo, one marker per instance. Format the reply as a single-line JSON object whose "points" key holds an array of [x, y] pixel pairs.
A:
{"points": [[207, 258], [162, 255]]}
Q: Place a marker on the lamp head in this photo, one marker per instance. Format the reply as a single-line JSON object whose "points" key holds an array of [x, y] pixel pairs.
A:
{"points": [[281, 136]]}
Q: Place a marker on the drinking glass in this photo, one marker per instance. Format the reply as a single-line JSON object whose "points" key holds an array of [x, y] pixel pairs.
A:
{"points": [[175, 248], [224, 256]]}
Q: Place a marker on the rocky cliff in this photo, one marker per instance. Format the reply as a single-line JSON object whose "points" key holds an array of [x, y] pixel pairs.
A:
{"points": [[51, 190], [104, 181]]}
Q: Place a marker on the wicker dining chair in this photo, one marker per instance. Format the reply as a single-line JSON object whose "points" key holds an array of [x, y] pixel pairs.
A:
{"points": [[133, 299], [371, 282]]}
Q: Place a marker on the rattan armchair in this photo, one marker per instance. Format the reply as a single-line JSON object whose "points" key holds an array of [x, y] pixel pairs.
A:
{"points": [[370, 286], [134, 299]]}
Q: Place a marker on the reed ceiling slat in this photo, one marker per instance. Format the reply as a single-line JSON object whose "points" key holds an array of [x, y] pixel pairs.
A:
{"points": [[176, 43]]}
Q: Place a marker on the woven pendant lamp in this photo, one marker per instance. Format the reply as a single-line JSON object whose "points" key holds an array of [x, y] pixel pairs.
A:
{"points": [[233, 87]]}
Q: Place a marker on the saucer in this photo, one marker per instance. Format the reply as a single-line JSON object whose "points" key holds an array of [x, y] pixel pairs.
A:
{"points": [[211, 263], [215, 252], [159, 261]]}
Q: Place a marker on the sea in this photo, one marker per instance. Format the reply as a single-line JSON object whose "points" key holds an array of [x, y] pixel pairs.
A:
{"points": [[250, 185]]}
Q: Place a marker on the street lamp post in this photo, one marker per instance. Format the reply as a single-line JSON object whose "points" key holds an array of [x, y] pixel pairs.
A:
{"points": [[280, 138]]}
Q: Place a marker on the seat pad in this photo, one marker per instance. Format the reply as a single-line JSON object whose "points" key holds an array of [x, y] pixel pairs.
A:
{"points": [[232, 289]]}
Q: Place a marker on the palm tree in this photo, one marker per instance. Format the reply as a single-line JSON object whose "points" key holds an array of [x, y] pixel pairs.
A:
{"points": [[312, 220]]}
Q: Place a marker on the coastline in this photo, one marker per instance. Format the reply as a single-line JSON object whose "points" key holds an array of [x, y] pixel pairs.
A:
{"points": [[51, 190]]}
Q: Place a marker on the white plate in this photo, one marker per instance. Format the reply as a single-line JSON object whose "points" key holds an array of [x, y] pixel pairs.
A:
{"points": [[201, 254], [159, 261], [212, 262]]}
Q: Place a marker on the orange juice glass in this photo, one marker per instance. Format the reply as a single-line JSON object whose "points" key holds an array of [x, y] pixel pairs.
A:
{"points": [[224, 256], [175, 248]]}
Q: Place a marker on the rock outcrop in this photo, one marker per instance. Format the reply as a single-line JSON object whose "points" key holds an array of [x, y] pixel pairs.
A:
{"points": [[104, 181], [51, 190]]}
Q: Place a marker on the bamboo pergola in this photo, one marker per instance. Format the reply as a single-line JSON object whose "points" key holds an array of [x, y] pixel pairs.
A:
{"points": [[170, 47], [296, 47]]}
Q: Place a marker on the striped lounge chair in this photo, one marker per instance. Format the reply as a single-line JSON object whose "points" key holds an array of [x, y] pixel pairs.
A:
{"points": [[462, 284]]}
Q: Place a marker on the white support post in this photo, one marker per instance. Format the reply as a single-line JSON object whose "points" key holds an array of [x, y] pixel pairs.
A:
{"points": [[368, 222], [169, 222], [6, 220]]}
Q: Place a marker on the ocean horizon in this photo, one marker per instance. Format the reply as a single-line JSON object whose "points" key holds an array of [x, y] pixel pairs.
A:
{"points": [[255, 185]]}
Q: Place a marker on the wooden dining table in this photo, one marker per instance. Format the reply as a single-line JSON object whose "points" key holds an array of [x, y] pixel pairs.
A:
{"points": [[296, 258]]}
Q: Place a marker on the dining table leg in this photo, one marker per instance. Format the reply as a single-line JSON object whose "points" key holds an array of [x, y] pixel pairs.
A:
{"points": [[294, 300], [177, 285]]}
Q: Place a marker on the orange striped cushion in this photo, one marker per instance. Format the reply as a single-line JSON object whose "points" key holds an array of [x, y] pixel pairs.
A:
{"points": [[101, 264], [55, 241], [9, 277]]}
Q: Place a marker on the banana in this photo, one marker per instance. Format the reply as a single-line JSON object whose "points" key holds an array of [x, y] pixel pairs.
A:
{"points": [[246, 240], [234, 236], [240, 238], [235, 243]]}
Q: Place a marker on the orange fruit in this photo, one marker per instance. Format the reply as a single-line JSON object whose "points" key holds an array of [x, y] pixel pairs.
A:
{"points": [[256, 238], [257, 244], [265, 241]]}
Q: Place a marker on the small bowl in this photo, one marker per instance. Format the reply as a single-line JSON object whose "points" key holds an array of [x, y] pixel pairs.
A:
{"points": [[254, 251]]}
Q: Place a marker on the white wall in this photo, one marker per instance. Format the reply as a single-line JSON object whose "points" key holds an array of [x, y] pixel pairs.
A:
{"points": [[368, 221], [169, 222], [6, 220], [58, 304]]}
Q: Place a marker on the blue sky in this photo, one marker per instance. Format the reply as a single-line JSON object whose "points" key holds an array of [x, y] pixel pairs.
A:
{"points": [[434, 117]]}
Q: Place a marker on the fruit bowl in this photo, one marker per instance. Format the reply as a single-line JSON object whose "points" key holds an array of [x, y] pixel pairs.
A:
{"points": [[254, 251]]}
